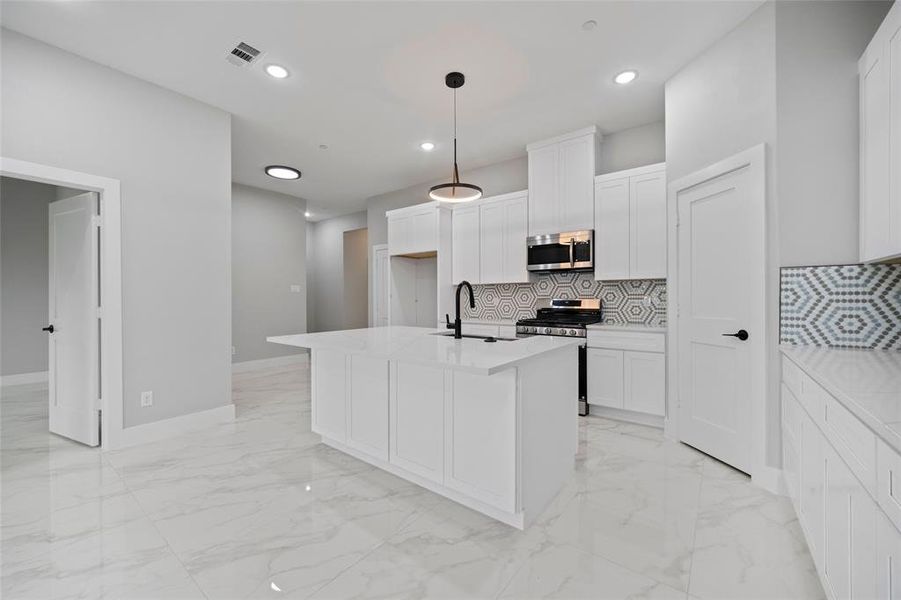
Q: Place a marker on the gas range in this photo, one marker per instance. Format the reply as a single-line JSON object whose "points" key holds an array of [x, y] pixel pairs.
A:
{"points": [[563, 317]]}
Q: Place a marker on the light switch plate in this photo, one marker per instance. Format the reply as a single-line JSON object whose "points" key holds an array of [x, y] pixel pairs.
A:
{"points": [[295, 289], [146, 399]]}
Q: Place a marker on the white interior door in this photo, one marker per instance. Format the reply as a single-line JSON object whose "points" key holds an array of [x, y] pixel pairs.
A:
{"points": [[380, 285], [74, 359], [721, 294]]}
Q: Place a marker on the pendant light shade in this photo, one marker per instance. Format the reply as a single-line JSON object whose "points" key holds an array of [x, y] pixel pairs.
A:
{"points": [[455, 190]]}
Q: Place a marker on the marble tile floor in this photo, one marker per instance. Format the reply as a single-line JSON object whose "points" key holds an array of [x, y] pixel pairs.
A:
{"points": [[259, 509]]}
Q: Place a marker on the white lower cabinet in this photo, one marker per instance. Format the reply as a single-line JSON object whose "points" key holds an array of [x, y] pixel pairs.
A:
{"points": [[416, 422], [480, 438], [855, 546], [888, 559], [627, 371], [367, 406], [329, 382]]}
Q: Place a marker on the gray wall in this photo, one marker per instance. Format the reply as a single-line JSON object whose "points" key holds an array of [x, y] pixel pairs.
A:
{"points": [[172, 155], [630, 148], [24, 274], [269, 233], [786, 77], [325, 271]]}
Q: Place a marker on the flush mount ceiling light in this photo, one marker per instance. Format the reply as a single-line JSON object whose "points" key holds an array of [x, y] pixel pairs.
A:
{"points": [[455, 191], [626, 77], [282, 172], [307, 214], [277, 71], [427, 146]]}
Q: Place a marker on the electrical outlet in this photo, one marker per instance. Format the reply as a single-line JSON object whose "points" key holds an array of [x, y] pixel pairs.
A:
{"points": [[647, 302], [295, 289], [146, 399]]}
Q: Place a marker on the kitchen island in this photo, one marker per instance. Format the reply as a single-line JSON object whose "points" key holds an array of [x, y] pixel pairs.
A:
{"points": [[491, 425]]}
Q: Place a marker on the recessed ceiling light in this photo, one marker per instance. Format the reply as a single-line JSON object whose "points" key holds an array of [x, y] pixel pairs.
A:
{"points": [[323, 146], [277, 71], [589, 25], [626, 77], [307, 214], [282, 172], [427, 146]]}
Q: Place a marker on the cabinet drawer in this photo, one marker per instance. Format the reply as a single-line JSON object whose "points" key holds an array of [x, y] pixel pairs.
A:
{"points": [[853, 441], [791, 376], [627, 340], [889, 483]]}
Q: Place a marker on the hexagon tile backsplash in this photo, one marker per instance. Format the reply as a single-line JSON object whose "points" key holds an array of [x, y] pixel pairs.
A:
{"points": [[640, 301], [850, 306]]}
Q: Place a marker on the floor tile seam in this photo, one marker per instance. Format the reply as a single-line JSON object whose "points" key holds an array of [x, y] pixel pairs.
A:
{"points": [[625, 567]]}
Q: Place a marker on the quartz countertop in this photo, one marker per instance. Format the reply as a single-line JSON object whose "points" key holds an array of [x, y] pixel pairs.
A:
{"points": [[638, 327], [866, 382], [475, 321], [419, 345]]}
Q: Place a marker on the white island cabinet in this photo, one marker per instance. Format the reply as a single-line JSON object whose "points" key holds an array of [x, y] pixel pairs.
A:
{"points": [[492, 426]]}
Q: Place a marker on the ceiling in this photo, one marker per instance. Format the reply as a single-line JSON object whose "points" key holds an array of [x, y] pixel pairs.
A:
{"points": [[367, 78]]}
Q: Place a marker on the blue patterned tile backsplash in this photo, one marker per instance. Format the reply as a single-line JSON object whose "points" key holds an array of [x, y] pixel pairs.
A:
{"points": [[639, 301], [852, 306]]}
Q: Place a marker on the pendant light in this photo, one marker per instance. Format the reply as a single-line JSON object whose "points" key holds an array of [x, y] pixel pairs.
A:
{"points": [[455, 191]]}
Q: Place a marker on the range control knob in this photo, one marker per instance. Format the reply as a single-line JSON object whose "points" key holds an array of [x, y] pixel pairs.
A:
{"points": [[547, 331], [573, 332]]}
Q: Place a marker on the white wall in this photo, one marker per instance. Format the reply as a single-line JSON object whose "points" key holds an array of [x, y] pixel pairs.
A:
{"points": [[817, 47], [24, 273], [630, 148], [269, 233], [172, 155], [325, 271]]}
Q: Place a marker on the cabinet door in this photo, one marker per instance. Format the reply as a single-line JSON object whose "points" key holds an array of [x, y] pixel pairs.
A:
{"points": [[367, 413], [647, 226], [466, 244], [329, 398], [644, 382], [424, 231], [893, 55], [491, 260], [516, 225], [850, 532], [576, 181], [875, 200], [811, 479], [888, 560], [543, 191], [480, 438], [398, 235], [611, 230], [605, 377], [416, 421]]}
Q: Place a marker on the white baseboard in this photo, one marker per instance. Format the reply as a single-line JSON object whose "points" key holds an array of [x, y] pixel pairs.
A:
{"points": [[268, 363], [25, 378], [160, 430], [625, 415]]}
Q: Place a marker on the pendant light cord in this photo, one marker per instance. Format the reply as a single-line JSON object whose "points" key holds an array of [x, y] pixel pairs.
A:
{"points": [[456, 171]]}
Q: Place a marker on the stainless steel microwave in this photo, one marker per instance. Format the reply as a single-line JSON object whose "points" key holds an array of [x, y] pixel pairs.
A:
{"points": [[570, 251]]}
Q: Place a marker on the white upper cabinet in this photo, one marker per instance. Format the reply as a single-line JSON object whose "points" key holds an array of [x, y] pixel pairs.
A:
{"points": [[413, 230], [630, 224], [503, 239], [880, 142], [466, 244], [561, 190]]}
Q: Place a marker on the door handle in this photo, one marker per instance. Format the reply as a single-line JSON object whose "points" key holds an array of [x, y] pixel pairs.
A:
{"points": [[48, 329], [572, 253], [740, 334]]}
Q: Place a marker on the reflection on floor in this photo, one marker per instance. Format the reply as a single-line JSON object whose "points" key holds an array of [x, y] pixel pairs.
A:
{"points": [[258, 509]]}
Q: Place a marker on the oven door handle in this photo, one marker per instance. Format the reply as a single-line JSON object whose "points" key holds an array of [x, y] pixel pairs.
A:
{"points": [[572, 252]]}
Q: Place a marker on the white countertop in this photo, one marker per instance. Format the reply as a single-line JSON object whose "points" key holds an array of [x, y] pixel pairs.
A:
{"points": [[866, 382], [418, 345], [474, 321], [638, 327]]}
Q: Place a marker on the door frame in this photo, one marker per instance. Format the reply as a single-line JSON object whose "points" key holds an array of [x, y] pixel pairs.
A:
{"points": [[373, 248], [755, 158], [111, 364]]}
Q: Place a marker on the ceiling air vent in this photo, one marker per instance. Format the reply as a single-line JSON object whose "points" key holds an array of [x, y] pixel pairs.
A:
{"points": [[243, 54]]}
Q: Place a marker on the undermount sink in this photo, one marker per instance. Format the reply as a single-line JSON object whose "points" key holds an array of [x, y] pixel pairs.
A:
{"points": [[477, 337]]}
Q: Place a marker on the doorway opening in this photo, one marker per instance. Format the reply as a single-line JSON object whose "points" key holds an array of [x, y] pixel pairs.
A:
{"points": [[356, 278], [61, 298]]}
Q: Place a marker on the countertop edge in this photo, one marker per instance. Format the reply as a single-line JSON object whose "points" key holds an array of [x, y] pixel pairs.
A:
{"points": [[882, 429]]}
